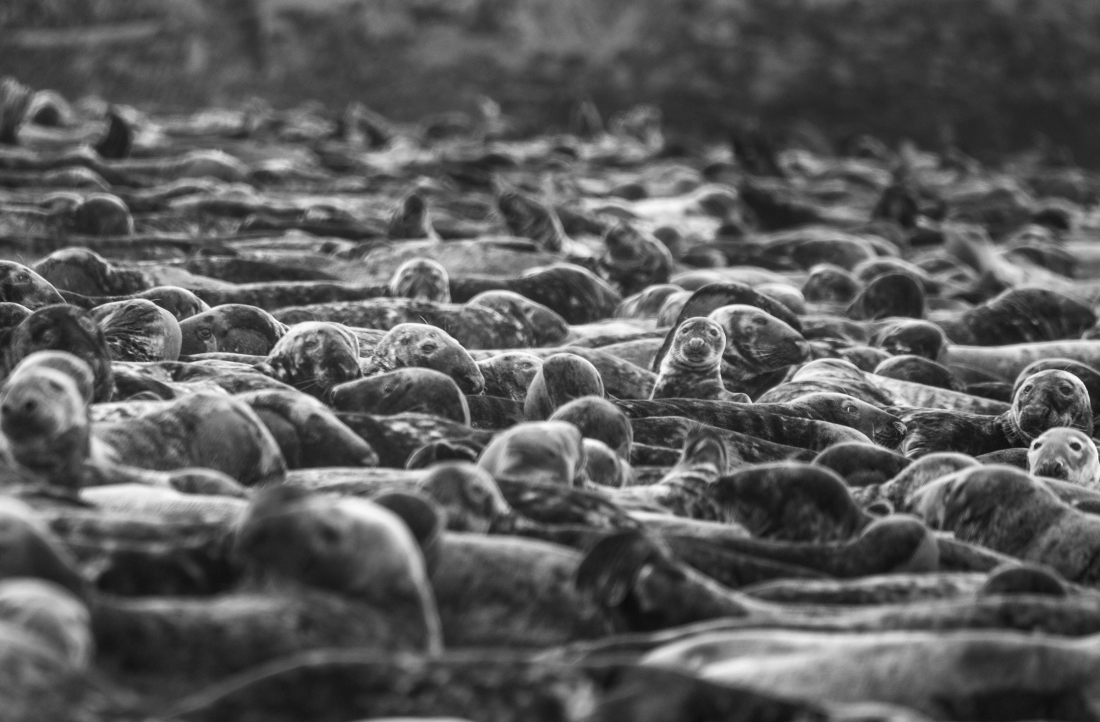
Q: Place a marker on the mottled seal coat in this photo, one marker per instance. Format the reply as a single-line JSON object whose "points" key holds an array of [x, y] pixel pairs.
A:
{"points": [[60, 328], [201, 429], [1067, 454], [508, 375], [475, 327], [598, 418], [19, 284], [314, 358], [139, 330], [561, 378], [413, 389], [634, 260], [80, 270], [1045, 400], [417, 344], [231, 328], [692, 368]]}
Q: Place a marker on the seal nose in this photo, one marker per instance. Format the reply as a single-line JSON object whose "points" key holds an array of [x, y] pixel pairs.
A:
{"points": [[1054, 468], [15, 407]]}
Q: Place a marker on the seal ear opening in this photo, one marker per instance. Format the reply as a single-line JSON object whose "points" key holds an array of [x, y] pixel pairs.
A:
{"points": [[424, 517]]}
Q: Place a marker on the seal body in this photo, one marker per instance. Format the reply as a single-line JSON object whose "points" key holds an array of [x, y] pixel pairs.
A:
{"points": [[692, 368]]}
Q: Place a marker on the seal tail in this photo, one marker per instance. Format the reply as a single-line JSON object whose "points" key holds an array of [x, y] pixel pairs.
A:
{"points": [[608, 572]]}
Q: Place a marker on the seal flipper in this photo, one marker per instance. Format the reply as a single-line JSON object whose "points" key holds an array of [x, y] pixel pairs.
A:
{"points": [[610, 569]]}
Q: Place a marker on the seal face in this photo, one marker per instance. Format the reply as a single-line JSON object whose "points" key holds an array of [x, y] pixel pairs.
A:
{"points": [[421, 279], [693, 366], [62, 328], [315, 357], [508, 375], [757, 343], [19, 284], [1051, 398], [44, 418], [468, 495], [634, 260], [418, 344], [1066, 454], [231, 328]]}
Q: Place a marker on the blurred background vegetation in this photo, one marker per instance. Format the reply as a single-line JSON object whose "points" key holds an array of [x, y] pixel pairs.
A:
{"points": [[991, 76]]}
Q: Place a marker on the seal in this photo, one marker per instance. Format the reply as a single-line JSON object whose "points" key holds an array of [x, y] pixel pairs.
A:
{"points": [[573, 292], [309, 434], [685, 490], [1066, 454], [314, 357], [634, 260], [1006, 363], [83, 271], [101, 214], [60, 328], [1007, 510], [418, 344], [889, 295], [911, 336], [52, 614], [759, 348], [231, 328], [19, 284], [421, 279], [561, 378], [541, 325], [180, 302], [1046, 400], [396, 438], [411, 219], [321, 542], [1017, 316], [862, 464], [470, 498], [603, 467], [549, 452], [509, 374], [528, 218], [597, 418], [919, 370], [44, 420], [414, 389], [896, 493], [475, 327], [831, 284], [791, 501], [692, 369], [671, 430], [1089, 376], [11, 315], [215, 431], [648, 302], [139, 330]]}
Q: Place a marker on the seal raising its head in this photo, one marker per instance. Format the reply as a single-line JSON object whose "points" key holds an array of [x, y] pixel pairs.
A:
{"points": [[422, 279], [1051, 398], [1067, 454], [314, 357], [692, 369], [418, 344]]}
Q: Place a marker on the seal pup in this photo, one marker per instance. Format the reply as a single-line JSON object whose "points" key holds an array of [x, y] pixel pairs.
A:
{"points": [[692, 369], [314, 357], [1066, 454], [421, 279]]}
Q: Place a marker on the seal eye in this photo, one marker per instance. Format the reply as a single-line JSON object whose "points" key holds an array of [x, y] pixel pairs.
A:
{"points": [[1075, 446], [1066, 389], [849, 409], [1037, 445], [1027, 389], [329, 535], [205, 333], [428, 347]]}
